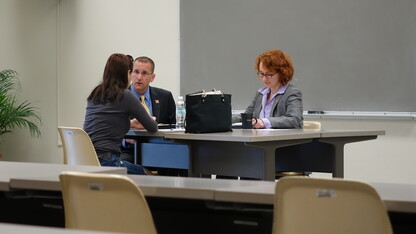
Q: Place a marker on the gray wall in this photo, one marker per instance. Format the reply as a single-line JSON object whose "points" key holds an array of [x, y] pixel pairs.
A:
{"points": [[28, 44], [59, 48], [356, 55]]}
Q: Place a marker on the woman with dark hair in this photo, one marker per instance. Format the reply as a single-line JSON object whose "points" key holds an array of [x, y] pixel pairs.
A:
{"points": [[278, 104], [110, 107]]}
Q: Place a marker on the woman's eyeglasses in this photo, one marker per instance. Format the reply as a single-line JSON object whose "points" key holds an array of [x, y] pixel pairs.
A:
{"points": [[267, 75]]}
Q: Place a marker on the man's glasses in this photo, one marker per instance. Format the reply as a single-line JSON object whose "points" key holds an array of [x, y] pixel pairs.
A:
{"points": [[137, 73], [268, 75]]}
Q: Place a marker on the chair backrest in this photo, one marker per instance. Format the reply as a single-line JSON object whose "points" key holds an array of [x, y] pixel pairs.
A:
{"points": [[104, 202], [316, 125], [77, 146], [311, 205]]}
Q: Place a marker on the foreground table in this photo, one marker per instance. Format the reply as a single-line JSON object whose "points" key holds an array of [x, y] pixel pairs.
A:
{"points": [[397, 197], [28, 229], [180, 204], [37, 207], [10, 170]]}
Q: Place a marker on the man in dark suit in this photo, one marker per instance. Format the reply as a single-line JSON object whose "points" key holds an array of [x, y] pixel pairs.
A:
{"points": [[158, 102]]}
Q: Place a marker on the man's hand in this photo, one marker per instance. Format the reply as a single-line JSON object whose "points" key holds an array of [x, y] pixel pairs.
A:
{"points": [[130, 141]]}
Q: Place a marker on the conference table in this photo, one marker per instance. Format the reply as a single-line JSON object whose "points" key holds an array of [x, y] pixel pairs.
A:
{"points": [[258, 153]]}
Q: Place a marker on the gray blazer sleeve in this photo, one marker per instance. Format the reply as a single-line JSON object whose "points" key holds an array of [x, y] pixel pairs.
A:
{"points": [[287, 112]]}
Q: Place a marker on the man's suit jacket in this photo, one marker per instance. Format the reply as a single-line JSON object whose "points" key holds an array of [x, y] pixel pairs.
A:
{"points": [[287, 110], [163, 105]]}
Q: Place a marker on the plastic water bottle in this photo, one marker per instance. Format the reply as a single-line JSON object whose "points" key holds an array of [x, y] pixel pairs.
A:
{"points": [[180, 113]]}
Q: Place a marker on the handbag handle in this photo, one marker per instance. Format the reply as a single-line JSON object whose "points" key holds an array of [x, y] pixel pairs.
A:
{"points": [[213, 92], [204, 94]]}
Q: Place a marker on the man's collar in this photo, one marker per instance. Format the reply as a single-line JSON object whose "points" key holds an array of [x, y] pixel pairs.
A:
{"points": [[146, 94]]}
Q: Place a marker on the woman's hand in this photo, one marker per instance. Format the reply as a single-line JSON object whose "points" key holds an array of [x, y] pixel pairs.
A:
{"points": [[134, 123], [257, 123]]}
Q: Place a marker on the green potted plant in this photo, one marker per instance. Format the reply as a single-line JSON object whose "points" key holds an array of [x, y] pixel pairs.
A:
{"points": [[12, 114]]}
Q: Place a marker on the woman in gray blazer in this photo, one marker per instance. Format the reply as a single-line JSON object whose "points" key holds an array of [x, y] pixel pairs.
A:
{"points": [[278, 104]]}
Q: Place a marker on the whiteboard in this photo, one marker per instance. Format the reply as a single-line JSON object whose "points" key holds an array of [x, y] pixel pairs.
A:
{"points": [[356, 55]]}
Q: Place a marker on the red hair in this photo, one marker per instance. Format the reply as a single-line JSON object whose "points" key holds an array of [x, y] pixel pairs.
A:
{"points": [[278, 61]]}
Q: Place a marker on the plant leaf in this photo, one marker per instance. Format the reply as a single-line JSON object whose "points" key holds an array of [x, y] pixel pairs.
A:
{"points": [[12, 114]]}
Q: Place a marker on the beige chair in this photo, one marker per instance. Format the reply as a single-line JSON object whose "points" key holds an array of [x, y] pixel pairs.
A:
{"points": [[328, 206], [104, 202], [315, 125], [77, 146]]}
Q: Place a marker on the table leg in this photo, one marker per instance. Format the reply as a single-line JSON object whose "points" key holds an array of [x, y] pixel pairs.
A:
{"points": [[269, 154], [136, 151], [338, 143]]}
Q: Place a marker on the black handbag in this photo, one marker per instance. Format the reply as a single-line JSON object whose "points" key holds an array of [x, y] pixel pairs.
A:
{"points": [[208, 112]]}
